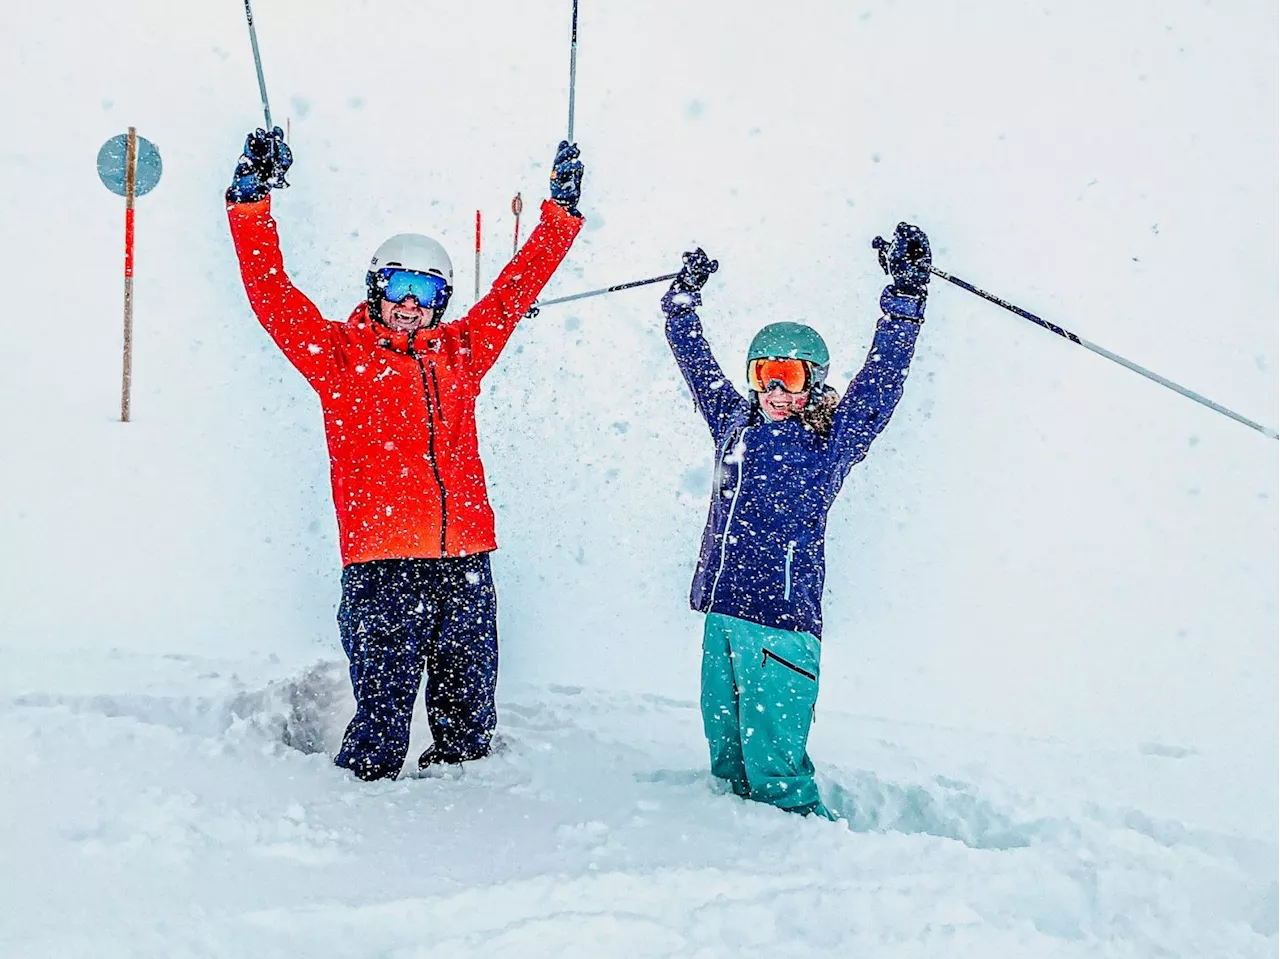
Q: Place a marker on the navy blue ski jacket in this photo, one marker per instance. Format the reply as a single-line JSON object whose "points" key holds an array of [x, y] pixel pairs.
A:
{"points": [[762, 556]]}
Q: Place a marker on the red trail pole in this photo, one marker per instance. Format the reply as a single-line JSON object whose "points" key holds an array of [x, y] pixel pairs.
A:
{"points": [[477, 299]]}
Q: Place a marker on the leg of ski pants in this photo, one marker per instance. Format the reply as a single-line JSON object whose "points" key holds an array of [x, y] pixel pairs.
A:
{"points": [[720, 703], [462, 657], [382, 620], [777, 673]]}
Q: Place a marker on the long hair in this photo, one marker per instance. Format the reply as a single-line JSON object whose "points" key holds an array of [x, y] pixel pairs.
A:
{"points": [[818, 414]]}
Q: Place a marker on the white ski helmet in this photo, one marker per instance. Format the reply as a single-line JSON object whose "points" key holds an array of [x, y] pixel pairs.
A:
{"points": [[408, 251]]}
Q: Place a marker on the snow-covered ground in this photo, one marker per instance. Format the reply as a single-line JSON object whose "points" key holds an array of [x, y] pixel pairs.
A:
{"points": [[1049, 703], [196, 813]]}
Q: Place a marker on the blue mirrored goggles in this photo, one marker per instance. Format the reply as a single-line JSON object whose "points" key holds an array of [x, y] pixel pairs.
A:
{"points": [[431, 291]]}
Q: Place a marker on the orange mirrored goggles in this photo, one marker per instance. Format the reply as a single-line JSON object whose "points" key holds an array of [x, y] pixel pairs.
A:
{"points": [[794, 376]]}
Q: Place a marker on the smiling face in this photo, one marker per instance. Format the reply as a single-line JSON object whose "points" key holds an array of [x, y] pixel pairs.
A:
{"points": [[406, 315], [778, 404]]}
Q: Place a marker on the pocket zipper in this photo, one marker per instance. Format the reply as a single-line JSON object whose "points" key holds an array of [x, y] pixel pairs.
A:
{"points": [[786, 588], [770, 654]]}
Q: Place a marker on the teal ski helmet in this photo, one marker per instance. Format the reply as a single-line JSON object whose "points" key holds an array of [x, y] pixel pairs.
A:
{"points": [[794, 341]]}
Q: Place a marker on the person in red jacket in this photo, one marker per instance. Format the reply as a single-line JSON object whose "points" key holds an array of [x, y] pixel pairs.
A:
{"points": [[398, 390]]}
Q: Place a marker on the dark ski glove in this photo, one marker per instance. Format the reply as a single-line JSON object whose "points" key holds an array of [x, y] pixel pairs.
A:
{"points": [[684, 295], [907, 260], [566, 177], [697, 269], [262, 166]]}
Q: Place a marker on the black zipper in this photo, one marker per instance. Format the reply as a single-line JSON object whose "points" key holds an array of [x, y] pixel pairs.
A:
{"points": [[770, 654], [431, 436], [444, 493]]}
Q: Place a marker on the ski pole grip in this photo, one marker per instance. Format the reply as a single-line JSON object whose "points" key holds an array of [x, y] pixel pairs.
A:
{"points": [[880, 244]]}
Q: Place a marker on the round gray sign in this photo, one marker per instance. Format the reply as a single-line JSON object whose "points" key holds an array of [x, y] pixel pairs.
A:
{"points": [[111, 165]]}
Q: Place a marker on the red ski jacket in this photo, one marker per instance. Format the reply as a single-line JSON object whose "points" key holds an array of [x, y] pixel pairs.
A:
{"points": [[399, 409]]}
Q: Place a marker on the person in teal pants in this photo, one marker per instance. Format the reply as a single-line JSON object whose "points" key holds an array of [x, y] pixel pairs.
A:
{"points": [[782, 454], [759, 692]]}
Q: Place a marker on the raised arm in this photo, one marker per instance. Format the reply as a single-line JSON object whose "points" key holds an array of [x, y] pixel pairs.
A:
{"points": [[490, 323], [713, 392], [289, 317], [876, 389], [874, 393]]}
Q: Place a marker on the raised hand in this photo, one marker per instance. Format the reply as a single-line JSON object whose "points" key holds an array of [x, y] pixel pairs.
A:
{"points": [[566, 177], [907, 259], [697, 269], [261, 167]]}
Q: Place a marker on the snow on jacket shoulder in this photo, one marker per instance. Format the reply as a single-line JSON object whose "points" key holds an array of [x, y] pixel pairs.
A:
{"points": [[763, 550], [399, 409]]}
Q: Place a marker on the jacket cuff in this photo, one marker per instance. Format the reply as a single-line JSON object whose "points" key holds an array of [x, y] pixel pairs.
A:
{"points": [[568, 207], [902, 305], [677, 302], [247, 189], [249, 208]]}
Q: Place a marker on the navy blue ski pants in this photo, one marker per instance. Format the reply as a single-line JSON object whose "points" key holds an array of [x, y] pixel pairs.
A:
{"points": [[397, 617]]}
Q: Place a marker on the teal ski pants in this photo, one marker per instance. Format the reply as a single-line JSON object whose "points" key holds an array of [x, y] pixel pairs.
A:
{"points": [[759, 687]]}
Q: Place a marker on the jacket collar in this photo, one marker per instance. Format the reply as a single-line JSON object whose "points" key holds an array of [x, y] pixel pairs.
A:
{"points": [[396, 340]]}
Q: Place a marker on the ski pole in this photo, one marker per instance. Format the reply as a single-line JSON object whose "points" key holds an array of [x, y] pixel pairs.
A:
{"points": [[1101, 351], [533, 311], [573, 65], [257, 60]]}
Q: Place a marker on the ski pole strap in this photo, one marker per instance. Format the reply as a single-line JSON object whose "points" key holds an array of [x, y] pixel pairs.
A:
{"points": [[1114, 357], [533, 310]]}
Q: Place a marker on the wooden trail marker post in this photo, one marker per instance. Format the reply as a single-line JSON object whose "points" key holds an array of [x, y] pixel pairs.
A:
{"points": [[128, 166], [477, 299], [130, 188], [517, 207]]}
